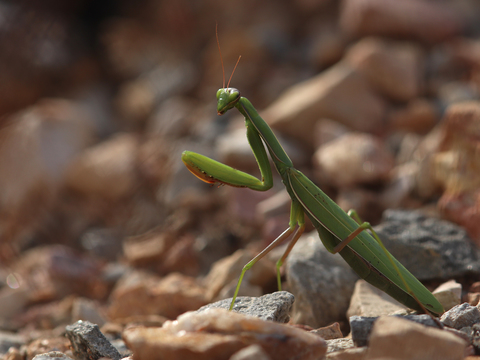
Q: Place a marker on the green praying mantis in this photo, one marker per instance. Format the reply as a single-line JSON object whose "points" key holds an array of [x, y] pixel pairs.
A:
{"points": [[340, 232]]}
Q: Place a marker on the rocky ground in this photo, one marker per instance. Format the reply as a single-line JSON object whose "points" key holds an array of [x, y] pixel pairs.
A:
{"points": [[109, 247]]}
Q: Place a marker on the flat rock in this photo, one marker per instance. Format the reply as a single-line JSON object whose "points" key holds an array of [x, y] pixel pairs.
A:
{"points": [[139, 293], [52, 355], [367, 300], [321, 282], [218, 334], [323, 96], [273, 307], [396, 338], [395, 69]]}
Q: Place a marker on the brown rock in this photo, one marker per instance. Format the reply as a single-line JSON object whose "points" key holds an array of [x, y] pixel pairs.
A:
{"points": [[141, 294], [252, 352], [13, 354], [148, 249], [396, 338], [41, 346], [456, 166], [218, 334], [367, 300], [353, 158], [36, 146], [473, 298], [106, 170], [419, 116], [394, 69], [421, 20], [57, 271], [225, 273], [329, 332], [324, 96]]}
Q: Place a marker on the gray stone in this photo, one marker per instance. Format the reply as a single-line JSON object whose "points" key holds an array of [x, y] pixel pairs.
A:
{"points": [[52, 355], [428, 247], [461, 316], [88, 342], [339, 344], [361, 326], [321, 282], [273, 307]]}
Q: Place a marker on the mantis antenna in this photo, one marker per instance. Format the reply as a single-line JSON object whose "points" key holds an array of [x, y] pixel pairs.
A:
{"points": [[221, 60], [228, 84], [221, 57]]}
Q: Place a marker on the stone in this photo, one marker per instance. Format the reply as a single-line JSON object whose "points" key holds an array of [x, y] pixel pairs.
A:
{"points": [[473, 298], [329, 332], [476, 338], [456, 167], [105, 242], [349, 354], [252, 352], [418, 116], [13, 301], [321, 282], [323, 96], [361, 326], [369, 301], [148, 249], [106, 170], [448, 294], [52, 355], [392, 68], [218, 334], [428, 247], [461, 209], [137, 98], [141, 294], [65, 271], [225, 273], [14, 354], [173, 118], [89, 343], [396, 338], [87, 310], [461, 316], [37, 145], [327, 130], [52, 346], [419, 20], [272, 307], [339, 344], [352, 159]]}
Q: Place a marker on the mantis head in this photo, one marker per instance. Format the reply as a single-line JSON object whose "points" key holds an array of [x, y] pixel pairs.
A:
{"points": [[226, 99]]}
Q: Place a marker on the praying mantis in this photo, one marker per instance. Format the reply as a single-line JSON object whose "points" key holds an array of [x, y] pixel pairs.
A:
{"points": [[340, 232]]}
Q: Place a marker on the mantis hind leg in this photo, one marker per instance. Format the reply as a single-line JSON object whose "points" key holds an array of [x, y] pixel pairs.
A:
{"points": [[252, 262], [366, 226], [296, 217]]}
